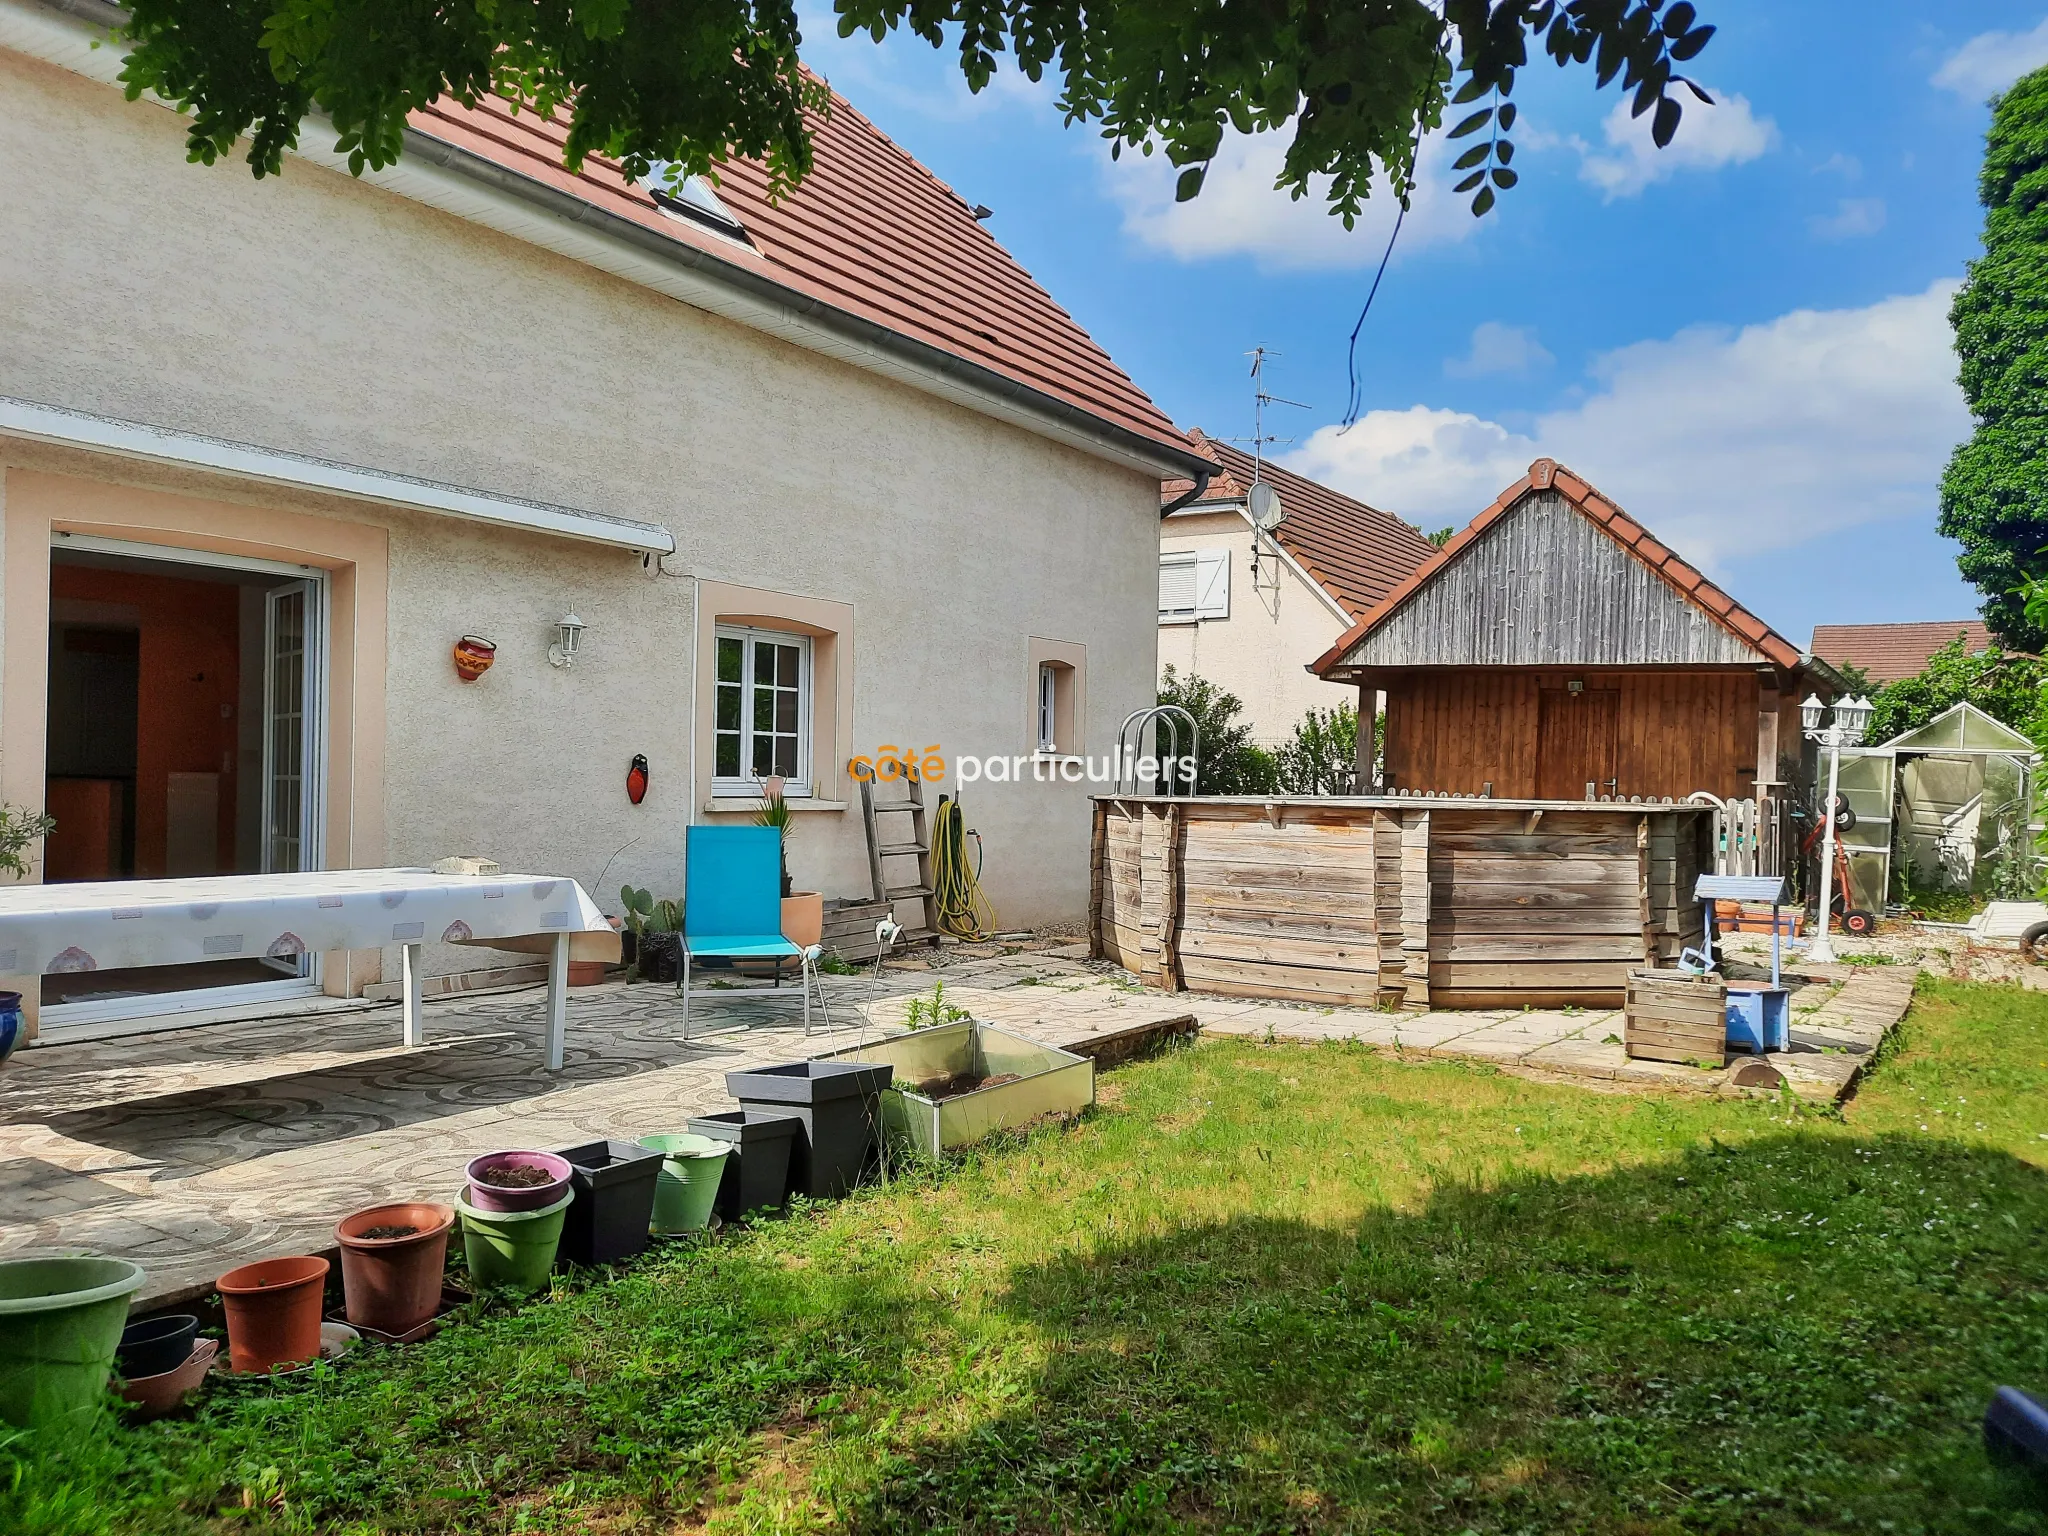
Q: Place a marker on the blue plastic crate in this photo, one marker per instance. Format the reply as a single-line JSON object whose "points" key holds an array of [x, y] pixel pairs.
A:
{"points": [[1759, 1018]]}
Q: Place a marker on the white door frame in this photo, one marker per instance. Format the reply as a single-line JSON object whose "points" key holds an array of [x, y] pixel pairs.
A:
{"points": [[59, 1021]]}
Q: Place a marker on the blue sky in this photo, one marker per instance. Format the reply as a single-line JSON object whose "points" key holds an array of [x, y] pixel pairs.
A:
{"points": [[1741, 339]]}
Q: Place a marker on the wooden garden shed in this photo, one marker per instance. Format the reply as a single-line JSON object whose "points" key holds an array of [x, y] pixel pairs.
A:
{"points": [[1555, 650]]}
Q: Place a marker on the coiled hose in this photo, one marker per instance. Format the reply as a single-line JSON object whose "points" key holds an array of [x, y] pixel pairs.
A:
{"points": [[956, 888]]}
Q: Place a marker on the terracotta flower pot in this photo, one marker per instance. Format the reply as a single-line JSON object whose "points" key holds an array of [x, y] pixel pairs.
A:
{"points": [[473, 657], [586, 973], [803, 917], [273, 1311], [151, 1397], [392, 1282]]}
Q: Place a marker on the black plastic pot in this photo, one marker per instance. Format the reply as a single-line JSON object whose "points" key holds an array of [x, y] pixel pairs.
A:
{"points": [[660, 957], [757, 1169], [614, 1185], [155, 1345], [838, 1103]]}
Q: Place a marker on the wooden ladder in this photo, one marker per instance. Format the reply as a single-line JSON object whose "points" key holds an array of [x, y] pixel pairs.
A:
{"points": [[917, 846]]}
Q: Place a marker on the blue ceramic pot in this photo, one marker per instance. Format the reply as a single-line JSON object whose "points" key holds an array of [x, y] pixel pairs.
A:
{"points": [[10, 1023]]}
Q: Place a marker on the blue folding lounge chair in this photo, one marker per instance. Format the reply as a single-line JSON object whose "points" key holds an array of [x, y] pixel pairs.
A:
{"points": [[732, 906]]}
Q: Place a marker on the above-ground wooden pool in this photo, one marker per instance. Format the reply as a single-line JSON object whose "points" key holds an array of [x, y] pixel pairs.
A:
{"points": [[1396, 902]]}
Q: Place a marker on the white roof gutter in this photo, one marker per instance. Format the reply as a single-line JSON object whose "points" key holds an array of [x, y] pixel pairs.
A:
{"points": [[470, 187], [31, 422]]}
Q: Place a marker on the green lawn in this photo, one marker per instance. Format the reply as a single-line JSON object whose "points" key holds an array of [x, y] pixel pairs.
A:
{"points": [[1262, 1288]]}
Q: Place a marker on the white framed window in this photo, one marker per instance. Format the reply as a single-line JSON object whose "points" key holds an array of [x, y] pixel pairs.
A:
{"points": [[762, 711], [1048, 706], [1194, 584]]}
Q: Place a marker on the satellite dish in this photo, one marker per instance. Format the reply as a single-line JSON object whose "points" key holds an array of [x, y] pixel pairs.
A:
{"points": [[1266, 510]]}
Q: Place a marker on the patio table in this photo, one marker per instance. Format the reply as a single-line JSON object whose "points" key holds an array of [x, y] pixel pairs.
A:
{"points": [[51, 930]]}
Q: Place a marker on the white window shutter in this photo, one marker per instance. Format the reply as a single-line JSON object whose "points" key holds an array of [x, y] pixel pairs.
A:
{"points": [[1176, 586], [1212, 584]]}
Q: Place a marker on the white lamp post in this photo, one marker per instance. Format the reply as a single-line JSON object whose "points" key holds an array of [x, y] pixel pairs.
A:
{"points": [[1851, 716]]}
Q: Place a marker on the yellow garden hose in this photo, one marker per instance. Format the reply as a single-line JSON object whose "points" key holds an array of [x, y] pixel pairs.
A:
{"points": [[956, 892]]}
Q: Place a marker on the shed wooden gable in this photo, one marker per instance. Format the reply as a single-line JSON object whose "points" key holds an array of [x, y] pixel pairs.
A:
{"points": [[1552, 574]]}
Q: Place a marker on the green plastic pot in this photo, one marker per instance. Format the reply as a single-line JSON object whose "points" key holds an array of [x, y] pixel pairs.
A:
{"points": [[687, 1188], [512, 1250], [60, 1323]]}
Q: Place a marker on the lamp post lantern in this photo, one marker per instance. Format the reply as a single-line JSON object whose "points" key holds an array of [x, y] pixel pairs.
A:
{"points": [[1851, 716]]}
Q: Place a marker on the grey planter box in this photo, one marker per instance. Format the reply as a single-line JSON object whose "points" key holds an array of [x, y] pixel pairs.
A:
{"points": [[1049, 1081]]}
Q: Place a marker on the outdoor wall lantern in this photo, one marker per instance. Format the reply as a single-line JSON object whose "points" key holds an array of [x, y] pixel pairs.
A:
{"points": [[568, 635], [1851, 716]]}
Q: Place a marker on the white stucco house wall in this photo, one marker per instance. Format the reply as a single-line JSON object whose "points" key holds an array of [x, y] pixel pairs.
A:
{"points": [[846, 435], [1254, 629]]}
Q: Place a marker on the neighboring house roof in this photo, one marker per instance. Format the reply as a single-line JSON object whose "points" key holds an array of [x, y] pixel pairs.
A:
{"points": [[1888, 652], [1548, 475], [869, 233], [1357, 553]]}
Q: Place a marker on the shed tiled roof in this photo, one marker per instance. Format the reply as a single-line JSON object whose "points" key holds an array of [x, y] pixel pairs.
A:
{"points": [[1888, 652], [1548, 474], [1356, 552], [869, 232]]}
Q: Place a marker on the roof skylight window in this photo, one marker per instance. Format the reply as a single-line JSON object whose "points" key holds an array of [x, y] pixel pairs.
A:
{"points": [[691, 199]]}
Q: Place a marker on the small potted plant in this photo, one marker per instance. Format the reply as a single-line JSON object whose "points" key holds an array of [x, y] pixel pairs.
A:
{"points": [[803, 912], [656, 928]]}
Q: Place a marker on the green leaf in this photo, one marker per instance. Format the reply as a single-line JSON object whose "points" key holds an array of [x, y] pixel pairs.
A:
{"points": [[1679, 19], [1471, 124], [1688, 46], [1472, 157], [1665, 123], [1470, 182], [1507, 116], [1483, 203], [1504, 150], [1189, 184], [1503, 177]]}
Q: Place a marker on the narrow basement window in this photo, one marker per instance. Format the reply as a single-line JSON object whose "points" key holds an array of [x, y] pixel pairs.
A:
{"points": [[1048, 707]]}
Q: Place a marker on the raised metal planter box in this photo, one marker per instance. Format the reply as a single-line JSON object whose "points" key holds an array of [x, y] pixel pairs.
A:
{"points": [[1048, 1081]]}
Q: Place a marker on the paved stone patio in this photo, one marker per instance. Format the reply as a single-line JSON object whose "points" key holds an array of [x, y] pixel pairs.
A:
{"points": [[195, 1149]]}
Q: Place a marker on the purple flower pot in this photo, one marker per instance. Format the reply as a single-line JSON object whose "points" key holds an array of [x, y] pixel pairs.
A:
{"points": [[485, 1196]]}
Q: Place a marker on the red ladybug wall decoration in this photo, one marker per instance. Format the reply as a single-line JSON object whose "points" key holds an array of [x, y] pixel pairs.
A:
{"points": [[636, 779]]}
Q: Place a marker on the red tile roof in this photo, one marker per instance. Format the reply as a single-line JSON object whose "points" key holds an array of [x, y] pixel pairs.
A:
{"points": [[1356, 552], [1888, 652], [1548, 474], [870, 233]]}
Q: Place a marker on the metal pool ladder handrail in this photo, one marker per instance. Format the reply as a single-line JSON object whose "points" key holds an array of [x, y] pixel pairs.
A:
{"points": [[1131, 733]]}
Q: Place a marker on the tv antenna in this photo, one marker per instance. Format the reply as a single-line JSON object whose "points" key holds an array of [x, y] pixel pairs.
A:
{"points": [[1262, 501]]}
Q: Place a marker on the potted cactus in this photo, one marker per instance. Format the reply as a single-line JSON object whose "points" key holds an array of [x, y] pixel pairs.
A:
{"points": [[655, 928]]}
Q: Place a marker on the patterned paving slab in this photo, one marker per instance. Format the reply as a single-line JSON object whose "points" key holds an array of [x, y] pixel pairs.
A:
{"points": [[197, 1149], [193, 1150]]}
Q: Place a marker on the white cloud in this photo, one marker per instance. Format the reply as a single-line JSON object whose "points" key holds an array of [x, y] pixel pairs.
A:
{"points": [[1853, 217], [1497, 348], [1723, 442], [1241, 213], [1848, 167], [1727, 133], [1991, 61]]}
